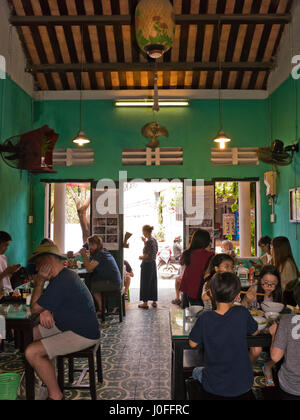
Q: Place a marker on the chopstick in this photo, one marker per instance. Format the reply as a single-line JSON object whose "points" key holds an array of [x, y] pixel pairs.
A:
{"points": [[257, 294]]}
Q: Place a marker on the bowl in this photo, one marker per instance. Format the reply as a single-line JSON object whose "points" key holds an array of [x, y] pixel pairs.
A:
{"points": [[272, 307], [195, 309], [261, 321], [272, 316]]}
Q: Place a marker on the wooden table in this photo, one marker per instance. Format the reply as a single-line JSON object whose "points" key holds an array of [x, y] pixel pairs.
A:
{"points": [[180, 330], [18, 317]]}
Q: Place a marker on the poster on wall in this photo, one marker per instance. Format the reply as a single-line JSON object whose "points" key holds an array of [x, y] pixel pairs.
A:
{"points": [[206, 193], [229, 224], [105, 221]]}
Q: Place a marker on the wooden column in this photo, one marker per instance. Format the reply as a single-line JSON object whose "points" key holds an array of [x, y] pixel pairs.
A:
{"points": [[59, 215], [244, 219]]}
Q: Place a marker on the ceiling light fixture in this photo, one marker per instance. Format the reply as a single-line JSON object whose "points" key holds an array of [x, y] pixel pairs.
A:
{"points": [[221, 138], [81, 139], [150, 102]]}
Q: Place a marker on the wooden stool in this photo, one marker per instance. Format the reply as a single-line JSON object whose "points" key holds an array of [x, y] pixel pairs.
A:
{"points": [[191, 358], [195, 391], [121, 302], [90, 354]]}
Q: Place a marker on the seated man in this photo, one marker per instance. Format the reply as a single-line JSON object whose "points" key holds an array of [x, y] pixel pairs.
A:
{"points": [[68, 321], [105, 272], [6, 271]]}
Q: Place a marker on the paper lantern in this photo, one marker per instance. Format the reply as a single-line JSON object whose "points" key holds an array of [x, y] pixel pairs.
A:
{"points": [[154, 26]]}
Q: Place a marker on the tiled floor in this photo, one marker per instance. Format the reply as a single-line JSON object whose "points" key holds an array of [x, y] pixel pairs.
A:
{"points": [[136, 354]]}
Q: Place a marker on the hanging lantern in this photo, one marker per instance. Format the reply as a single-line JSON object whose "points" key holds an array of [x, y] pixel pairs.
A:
{"points": [[154, 26]]}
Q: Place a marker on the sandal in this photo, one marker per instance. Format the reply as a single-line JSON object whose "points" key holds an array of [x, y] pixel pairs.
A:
{"points": [[142, 306], [268, 377], [154, 304], [176, 302]]}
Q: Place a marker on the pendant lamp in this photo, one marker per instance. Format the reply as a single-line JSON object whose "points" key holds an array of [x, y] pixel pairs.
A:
{"points": [[221, 138], [155, 26], [81, 139]]}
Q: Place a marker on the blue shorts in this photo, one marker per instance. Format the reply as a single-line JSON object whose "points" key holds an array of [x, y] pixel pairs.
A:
{"points": [[198, 373]]}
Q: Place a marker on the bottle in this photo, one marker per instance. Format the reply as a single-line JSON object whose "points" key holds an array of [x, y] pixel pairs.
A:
{"points": [[242, 273], [251, 275], [26, 289], [28, 299]]}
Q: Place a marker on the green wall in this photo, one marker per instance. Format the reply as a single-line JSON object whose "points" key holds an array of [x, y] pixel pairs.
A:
{"points": [[111, 129], [285, 119], [15, 118]]}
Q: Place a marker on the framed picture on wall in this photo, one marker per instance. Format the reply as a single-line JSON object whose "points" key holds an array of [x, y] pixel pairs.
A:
{"points": [[294, 201]]}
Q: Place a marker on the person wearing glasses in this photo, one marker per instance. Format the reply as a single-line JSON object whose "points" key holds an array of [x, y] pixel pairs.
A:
{"points": [[269, 286]]}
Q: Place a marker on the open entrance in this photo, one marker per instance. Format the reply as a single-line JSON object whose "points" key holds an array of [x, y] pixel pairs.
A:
{"points": [[69, 214], [158, 204]]}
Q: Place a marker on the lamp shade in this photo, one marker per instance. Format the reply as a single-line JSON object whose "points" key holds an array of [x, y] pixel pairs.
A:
{"points": [[155, 26], [81, 139], [222, 139]]}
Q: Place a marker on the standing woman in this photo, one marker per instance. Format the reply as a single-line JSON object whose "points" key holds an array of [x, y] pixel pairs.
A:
{"points": [[196, 259], [148, 288], [283, 259]]}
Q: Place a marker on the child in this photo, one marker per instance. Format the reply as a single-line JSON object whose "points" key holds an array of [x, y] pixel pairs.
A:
{"points": [[223, 333], [178, 278], [128, 274], [220, 263], [286, 343], [269, 284]]}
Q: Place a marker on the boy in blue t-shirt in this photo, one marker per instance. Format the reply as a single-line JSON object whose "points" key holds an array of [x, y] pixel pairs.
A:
{"points": [[227, 368]]}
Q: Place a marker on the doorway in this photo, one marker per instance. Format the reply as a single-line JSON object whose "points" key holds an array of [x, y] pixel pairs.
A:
{"points": [[69, 214], [158, 204]]}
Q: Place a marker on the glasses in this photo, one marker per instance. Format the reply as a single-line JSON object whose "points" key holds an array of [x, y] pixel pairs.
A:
{"points": [[273, 285]]}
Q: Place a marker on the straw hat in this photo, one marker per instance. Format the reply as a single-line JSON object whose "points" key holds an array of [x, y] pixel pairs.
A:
{"points": [[44, 249]]}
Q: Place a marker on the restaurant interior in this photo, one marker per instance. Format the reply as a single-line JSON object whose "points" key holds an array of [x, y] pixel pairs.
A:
{"points": [[91, 100]]}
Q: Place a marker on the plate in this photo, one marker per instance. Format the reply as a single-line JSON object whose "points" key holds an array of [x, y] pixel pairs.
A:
{"points": [[272, 316]]}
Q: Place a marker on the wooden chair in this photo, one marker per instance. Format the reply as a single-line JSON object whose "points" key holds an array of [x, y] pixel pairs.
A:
{"points": [[90, 353]]}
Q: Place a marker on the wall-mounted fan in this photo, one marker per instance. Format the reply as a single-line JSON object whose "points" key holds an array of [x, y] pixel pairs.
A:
{"points": [[31, 151], [278, 154]]}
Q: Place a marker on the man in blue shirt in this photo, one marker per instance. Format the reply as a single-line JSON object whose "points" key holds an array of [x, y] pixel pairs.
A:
{"points": [[68, 321], [227, 368]]}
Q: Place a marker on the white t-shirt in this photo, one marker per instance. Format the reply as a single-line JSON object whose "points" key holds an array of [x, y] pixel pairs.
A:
{"points": [[5, 282]]}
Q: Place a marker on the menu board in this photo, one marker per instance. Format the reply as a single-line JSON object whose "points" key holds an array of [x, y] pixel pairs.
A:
{"points": [[105, 220], [206, 193]]}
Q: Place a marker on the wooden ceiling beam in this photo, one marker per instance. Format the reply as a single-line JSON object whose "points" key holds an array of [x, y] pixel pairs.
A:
{"points": [[271, 18], [163, 66]]}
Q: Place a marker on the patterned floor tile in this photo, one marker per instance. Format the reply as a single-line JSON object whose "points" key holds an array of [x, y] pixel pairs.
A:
{"points": [[136, 356]]}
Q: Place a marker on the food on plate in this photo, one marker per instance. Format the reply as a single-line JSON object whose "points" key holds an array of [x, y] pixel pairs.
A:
{"points": [[256, 312]]}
